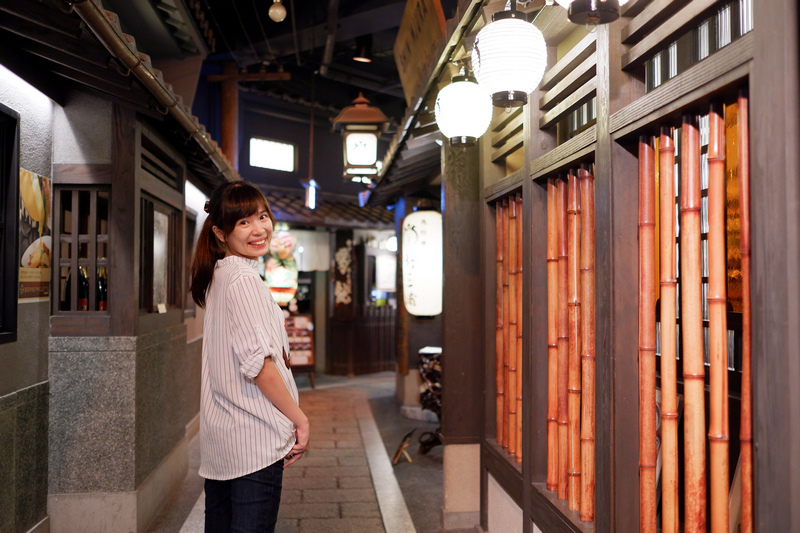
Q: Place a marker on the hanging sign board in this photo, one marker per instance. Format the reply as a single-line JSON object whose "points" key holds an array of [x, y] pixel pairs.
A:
{"points": [[422, 263]]}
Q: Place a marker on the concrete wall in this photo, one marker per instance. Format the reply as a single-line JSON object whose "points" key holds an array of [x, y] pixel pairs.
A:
{"points": [[23, 383]]}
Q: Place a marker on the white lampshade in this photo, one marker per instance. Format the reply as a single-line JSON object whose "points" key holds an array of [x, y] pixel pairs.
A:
{"points": [[422, 263], [463, 111], [509, 58]]}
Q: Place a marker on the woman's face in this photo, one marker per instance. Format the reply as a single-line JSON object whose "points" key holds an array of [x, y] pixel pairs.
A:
{"points": [[250, 237]]}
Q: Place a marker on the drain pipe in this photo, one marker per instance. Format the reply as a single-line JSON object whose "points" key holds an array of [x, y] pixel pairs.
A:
{"points": [[105, 26], [330, 41]]}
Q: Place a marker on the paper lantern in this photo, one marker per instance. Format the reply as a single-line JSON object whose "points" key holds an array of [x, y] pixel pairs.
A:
{"points": [[463, 111], [422, 263], [509, 58]]}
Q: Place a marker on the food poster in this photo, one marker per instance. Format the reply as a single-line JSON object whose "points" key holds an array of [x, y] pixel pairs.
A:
{"points": [[35, 237], [280, 269]]}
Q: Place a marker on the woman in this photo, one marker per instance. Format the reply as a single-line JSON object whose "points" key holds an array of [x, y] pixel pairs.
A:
{"points": [[251, 426]]}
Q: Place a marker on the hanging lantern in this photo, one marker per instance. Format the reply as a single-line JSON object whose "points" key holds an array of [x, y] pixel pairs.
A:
{"points": [[362, 125], [463, 111], [592, 12], [422, 263], [509, 58]]}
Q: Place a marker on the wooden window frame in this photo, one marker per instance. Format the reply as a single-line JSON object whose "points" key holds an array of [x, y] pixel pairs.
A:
{"points": [[9, 222]]}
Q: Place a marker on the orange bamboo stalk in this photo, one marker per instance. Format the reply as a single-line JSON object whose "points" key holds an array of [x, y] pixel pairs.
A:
{"points": [[574, 343], [647, 340], [669, 384], [498, 339], [587, 345], [718, 323], [746, 427], [513, 286], [519, 330], [563, 341], [552, 335], [692, 330], [506, 324]]}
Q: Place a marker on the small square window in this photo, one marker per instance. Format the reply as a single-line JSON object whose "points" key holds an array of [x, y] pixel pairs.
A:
{"points": [[272, 154]]}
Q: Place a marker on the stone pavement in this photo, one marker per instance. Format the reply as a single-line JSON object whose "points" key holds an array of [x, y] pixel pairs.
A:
{"points": [[346, 482]]}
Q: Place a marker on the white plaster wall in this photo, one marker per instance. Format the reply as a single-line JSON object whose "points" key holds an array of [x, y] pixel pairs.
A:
{"points": [[83, 130], [36, 121], [504, 515]]}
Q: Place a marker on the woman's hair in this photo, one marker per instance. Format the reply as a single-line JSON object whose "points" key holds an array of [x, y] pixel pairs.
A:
{"points": [[229, 203]]}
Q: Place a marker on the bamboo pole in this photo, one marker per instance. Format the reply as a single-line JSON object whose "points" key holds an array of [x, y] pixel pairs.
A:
{"points": [[718, 323], [563, 341], [506, 323], [552, 335], [574, 342], [499, 328], [519, 330], [669, 384], [513, 286], [746, 427], [647, 339], [587, 345], [692, 330]]}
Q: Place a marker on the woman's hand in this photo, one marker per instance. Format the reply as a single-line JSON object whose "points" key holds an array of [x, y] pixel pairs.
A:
{"points": [[302, 434]]}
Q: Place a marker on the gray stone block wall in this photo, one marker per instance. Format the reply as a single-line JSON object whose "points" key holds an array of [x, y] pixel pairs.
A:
{"points": [[23, 458]]}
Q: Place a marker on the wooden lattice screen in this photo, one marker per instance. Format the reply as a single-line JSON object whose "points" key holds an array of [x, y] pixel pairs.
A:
{"points": [[570, 339], [703, 323]]}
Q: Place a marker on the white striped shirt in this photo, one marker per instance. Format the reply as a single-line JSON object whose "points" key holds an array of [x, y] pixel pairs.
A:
{"points": [[241, 432]]}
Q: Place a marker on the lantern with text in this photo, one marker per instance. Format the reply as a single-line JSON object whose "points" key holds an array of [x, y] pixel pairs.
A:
{"points": [[592, 12], [509, 57], [463, 111], [422, 263], [361, 125]]}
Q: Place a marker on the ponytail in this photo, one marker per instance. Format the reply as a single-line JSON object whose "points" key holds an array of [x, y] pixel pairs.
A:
{"points": [[228, 204]]}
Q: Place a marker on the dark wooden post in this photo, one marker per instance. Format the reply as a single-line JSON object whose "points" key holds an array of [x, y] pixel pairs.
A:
{"points": [[229, 122]]}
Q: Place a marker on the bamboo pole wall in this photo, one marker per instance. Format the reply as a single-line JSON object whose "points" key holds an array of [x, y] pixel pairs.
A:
{"points": [[508, 325], [746, 425], [718, 510], [552, 335], [574, 341], [692, 329], [670, 519], [647, 340], [511, 386], [718, 325], [563, 342], [587, 345], [500, 332], [571, 341]]}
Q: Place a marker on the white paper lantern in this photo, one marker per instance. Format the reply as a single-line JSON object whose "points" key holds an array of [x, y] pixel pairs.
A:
{"points": [[422, 263], [509, 58], [463, 111]]}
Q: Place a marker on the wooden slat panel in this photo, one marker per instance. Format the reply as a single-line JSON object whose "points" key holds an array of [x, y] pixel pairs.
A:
{"points": [[665, 33], [512, 144], [565, 154], [581, 74], [585, 48], [512, 128], [654, 14], [576, 99]]}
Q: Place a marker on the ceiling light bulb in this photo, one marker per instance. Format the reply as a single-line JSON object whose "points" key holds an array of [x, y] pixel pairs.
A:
{"points": [[277, 12]]}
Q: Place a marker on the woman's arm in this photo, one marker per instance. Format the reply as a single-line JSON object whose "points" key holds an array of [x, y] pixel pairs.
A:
{"points": [[271, 385]]}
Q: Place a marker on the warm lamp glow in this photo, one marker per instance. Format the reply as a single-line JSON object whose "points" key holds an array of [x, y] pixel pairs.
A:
{"points": [[509, 58], [277, 12], [463, 111], [422, 263]]}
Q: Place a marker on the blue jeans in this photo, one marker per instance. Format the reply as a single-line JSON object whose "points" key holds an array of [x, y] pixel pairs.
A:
{"points": [[247, 504]]}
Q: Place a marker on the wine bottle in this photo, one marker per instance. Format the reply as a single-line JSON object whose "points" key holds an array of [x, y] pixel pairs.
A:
{"points": [[83, 290], [102, 290]]}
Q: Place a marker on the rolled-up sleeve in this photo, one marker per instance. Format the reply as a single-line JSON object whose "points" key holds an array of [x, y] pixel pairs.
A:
{"points": [[255, 326]]}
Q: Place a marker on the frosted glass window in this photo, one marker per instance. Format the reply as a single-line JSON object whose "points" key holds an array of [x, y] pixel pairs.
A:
{"points": [[272, 154]]}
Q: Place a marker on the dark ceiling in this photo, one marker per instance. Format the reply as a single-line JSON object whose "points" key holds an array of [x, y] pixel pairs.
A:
{"points": [[314, 45]]}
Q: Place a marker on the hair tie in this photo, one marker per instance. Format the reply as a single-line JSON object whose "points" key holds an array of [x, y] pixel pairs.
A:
{"points": [[205, 207]]}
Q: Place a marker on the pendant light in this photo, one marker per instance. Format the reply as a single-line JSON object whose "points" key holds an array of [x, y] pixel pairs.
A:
{"points": [[592, 12], [509, 57], [276, 11], [463, 110]]}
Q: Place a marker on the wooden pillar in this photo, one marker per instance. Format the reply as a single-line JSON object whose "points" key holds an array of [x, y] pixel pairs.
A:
{"points": [[230, 115]]}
